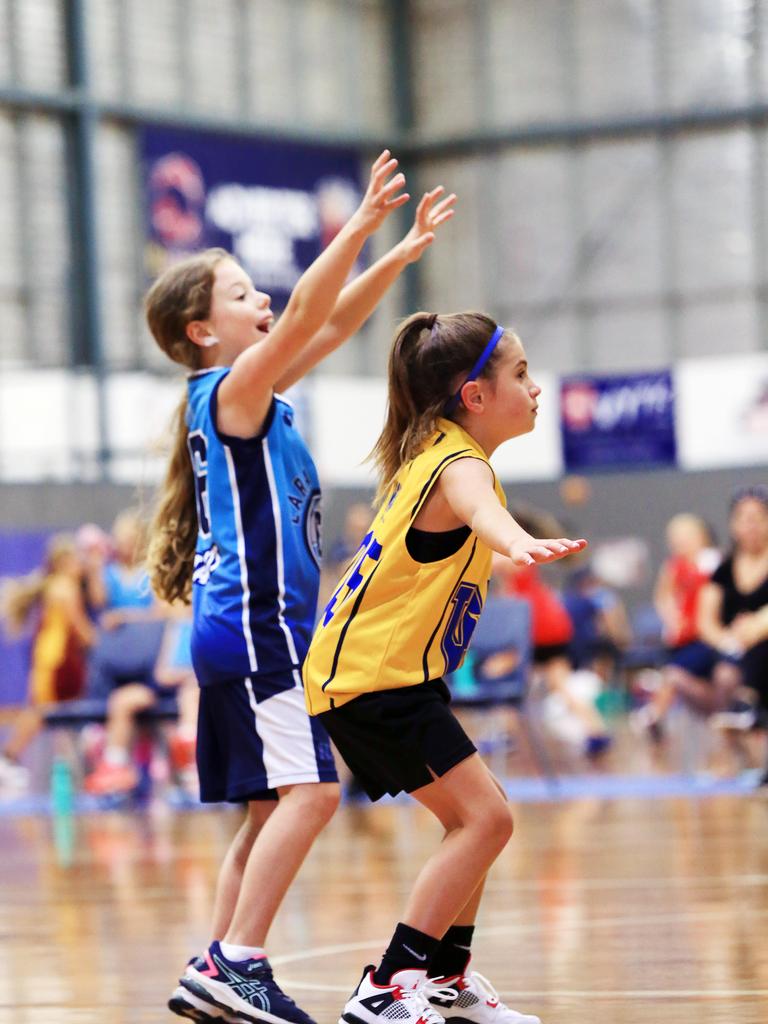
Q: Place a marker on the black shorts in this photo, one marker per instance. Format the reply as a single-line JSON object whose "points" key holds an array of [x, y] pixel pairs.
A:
{"points": [[398, 740]]}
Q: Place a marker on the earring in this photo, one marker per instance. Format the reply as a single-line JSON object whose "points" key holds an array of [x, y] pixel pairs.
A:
{"points": [[210, 341]]}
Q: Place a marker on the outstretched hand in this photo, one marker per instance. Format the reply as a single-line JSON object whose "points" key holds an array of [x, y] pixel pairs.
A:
{"points": [[430, 214], [383, 194], [528, 552]]}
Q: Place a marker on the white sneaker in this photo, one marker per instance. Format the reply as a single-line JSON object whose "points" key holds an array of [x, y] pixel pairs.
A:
{"points": [[405, 999], [477, 1002]]}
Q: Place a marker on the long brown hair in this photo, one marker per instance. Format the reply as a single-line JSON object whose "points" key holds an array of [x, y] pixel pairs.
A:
{"points": [[20, 597], [429, 355], [180, 295]]}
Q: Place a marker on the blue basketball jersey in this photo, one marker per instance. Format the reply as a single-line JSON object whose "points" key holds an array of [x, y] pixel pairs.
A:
{"points": [[257, 561]]}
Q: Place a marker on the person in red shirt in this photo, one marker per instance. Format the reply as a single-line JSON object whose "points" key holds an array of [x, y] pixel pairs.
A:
{"points": [[688, 661], [551, 634]]}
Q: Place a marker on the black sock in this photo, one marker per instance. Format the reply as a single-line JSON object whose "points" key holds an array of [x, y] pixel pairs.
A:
{"points": [[409, 949], [453, 953]]}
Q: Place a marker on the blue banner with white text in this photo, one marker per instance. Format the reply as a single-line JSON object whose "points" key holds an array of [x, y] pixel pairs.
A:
{"points": [[274, 205], [618, 422]]}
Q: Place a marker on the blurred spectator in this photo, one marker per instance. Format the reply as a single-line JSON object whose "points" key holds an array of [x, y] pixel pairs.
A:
{"points": [[130, 631], [601, 629], [129, 620], [94, 547], [571, 701], [338, 554], [688, 662], [172, 676], [357, 519], [53, 599], [733, 616]]}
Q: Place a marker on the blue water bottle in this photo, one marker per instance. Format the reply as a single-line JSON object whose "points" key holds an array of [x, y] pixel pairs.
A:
{"points": [[62, 790]]}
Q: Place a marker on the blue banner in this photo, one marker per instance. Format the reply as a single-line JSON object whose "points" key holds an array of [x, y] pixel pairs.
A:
{"points": [[618, 422], [274, 205]]}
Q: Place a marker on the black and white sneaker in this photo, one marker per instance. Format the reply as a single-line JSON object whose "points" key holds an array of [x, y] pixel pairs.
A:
{"points": [[405, 1000], [477, 1002]]}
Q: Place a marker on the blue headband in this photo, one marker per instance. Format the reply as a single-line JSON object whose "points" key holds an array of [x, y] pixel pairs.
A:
{"points": [[476, 370]]}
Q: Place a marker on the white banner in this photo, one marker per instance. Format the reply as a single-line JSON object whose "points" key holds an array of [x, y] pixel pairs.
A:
{"points": [[347, 415], [722, 411]]}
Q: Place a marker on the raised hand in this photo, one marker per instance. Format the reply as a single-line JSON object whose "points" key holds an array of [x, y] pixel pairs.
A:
{"points": [[430, 214], [383, 194], [527, 552]]}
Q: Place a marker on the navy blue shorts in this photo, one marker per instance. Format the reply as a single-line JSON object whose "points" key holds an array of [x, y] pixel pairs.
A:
{"points": [[254, 735], [697, 658]]}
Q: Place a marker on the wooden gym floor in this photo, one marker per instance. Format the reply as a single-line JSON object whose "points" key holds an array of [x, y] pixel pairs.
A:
{"points": [[615, 911]]}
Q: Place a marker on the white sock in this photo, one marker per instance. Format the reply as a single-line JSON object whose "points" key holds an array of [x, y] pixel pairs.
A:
{"points": [[115, 756], [238, 953]]}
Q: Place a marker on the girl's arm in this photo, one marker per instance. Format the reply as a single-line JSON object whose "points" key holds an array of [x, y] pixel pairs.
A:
{"points": [[115, 617], [246, 393], [752, 627], [361, 297], [95, 584], [664, 602], [467, 486], [709, 622], [67, 596]]}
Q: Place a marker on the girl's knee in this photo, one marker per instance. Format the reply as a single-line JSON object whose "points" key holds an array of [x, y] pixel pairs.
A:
{"points": [[328, 800], [496, 823], [131, 696], [503, 823], [317, 800]]}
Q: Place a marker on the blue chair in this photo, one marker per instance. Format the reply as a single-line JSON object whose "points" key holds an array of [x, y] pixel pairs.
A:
{"points": [[646, 649], [504, 628]]}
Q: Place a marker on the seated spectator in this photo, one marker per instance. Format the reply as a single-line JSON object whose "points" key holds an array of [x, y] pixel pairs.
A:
{"points": [[130, 622], [601, 629], [52, 598], [733, 618], [688, 662], [115, 774], [552, 633], [130, 631]]}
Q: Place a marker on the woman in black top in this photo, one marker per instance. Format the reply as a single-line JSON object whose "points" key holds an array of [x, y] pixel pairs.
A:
{"points": [[733, 606]]}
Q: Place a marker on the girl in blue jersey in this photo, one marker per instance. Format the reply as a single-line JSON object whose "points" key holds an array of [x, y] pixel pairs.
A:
{"points": [[237, 531]]}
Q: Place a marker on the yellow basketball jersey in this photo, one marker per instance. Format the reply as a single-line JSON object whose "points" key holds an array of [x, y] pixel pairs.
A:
{"points": [[393, 621]]}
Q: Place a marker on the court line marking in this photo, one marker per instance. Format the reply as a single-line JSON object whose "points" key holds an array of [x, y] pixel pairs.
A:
{"points": [[536, 885], [560, 993], [583, 925]]}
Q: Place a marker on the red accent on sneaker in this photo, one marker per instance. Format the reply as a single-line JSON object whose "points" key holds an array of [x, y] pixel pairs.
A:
{"points": [[398, 989], [457, 981]]}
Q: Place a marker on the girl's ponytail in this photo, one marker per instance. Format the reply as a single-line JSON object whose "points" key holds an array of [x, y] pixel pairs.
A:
{"points": [[173, 533], [429, 354]]}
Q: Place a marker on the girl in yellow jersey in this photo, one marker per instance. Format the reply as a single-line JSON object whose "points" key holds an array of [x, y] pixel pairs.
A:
{"points": [[402, 617], [63, 631]]}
